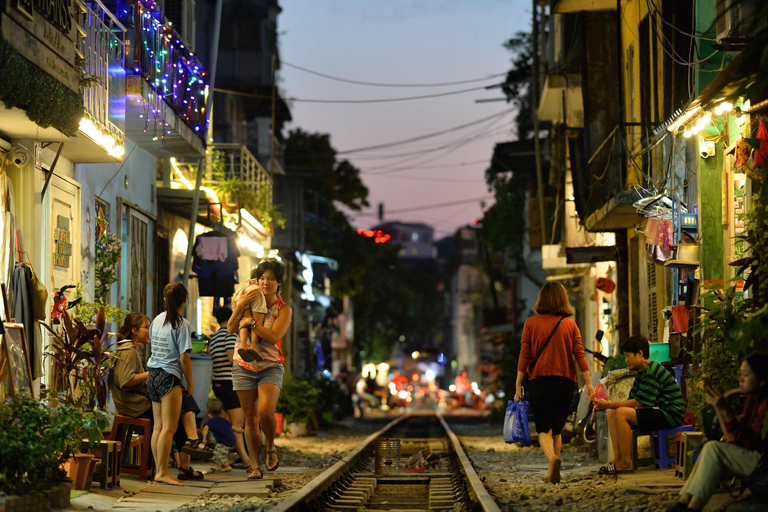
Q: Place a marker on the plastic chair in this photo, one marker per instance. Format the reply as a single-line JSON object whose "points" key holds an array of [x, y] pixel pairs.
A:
{"points": [[661, 459], [123, 429], [108, 473]]}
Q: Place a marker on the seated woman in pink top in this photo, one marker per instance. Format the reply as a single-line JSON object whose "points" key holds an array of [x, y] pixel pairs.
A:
{"points": [[258, 383]]}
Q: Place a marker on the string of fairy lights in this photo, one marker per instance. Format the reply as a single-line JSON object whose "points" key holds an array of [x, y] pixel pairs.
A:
{"points": [[170, 69]]}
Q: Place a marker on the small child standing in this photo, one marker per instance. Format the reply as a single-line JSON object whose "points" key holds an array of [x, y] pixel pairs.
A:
{"points": [[222, 431], [252, 316]]}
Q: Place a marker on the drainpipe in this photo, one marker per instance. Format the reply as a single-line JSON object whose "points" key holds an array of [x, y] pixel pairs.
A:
{"points": [[201, 161], [534, 107]]}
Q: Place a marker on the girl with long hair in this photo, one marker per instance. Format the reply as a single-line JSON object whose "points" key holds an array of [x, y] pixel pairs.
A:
{"points": [[171, 341]]}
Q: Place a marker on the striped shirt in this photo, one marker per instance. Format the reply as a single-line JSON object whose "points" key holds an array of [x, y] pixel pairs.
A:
{"points": [[218, 346], [655, 387]]}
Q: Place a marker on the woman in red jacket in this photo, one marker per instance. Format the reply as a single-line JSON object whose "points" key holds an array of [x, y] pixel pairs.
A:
{"points": [[550, 343]]}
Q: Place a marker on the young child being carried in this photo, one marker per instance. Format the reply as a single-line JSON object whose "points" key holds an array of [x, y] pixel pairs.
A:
{"points": [[251, 317], [223, 432]]}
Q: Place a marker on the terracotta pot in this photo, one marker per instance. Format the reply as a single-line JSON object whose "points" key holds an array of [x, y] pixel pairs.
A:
{"points": [[81, 468]]}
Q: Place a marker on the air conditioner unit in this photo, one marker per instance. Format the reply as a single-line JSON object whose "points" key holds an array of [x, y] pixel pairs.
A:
{"points": [[736, 19]]}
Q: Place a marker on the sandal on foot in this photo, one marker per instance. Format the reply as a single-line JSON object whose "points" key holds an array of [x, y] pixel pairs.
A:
{"points": [[277, 463], [192, 447], [608, 469], [256, 474], [190, 474], [255, 354], [246, 355]]}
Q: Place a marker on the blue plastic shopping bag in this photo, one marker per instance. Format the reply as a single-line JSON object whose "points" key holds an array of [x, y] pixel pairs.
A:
{"points": [[516, 423]]}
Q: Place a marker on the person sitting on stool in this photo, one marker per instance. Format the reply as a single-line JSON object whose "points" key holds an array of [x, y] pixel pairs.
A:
{"points": [[655, 402]]}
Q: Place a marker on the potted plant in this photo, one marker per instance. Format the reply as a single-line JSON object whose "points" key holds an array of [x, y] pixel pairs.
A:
{"points": [[36, 439], [298, 403], [82, 368]]}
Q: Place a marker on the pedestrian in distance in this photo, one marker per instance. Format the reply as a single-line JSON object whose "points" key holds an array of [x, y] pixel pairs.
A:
{"points": [[258, 383], [551, 350], [171, 342], [223, 432], [746, 444], [222, 349], [654, 403], [253, 315]]}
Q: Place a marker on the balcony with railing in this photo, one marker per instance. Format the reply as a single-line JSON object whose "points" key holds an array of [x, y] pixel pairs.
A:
{"points": [[102, 50], [167, 87], [236, 191]]}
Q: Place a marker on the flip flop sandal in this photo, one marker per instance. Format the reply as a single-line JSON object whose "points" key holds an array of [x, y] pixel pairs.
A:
{"points": [[277, 464], [255, 354], [189, 474], [256, 474], [246, 355], [205, 453], [608, 469]]}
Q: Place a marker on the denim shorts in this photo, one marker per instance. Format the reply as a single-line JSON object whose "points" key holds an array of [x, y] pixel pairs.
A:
{"points": [[247, 380], [160, 383]]}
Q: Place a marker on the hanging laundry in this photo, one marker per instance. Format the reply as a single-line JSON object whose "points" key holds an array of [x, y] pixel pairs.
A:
{"points": [[216, 277], [212, 248], [680, 317], [652, 229]]}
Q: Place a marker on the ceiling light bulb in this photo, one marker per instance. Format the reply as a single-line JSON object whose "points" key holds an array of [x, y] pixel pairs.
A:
{"points": [[687, 134], [718, 110], [707, 118], [696, 129], [727, 107]]}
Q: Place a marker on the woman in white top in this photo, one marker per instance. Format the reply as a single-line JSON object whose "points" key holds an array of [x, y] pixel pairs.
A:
{"points": [[171, 341]]}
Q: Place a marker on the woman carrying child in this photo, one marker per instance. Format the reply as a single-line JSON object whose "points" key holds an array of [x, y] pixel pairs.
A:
{"points": [[258, 383]]}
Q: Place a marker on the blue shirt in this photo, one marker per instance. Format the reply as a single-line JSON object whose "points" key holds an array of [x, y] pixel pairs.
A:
{"points": [[222, 430], [168, 344]]}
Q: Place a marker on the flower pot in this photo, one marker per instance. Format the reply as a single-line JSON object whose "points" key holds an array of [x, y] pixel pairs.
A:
{"points": [[279, 421], [81, 468]]}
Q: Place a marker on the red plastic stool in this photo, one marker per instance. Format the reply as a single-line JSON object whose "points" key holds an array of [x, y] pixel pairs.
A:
{"points": [[123, 429]]}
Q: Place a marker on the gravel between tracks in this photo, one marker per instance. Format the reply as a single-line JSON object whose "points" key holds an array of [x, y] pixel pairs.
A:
{"points": [[513, 476]]}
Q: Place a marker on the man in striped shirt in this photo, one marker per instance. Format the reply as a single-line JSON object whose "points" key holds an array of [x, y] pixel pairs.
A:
{"points": [[655, 402]]}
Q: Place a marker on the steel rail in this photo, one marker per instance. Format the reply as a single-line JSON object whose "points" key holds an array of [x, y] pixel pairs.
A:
{"points": [[476, 487], [321, 482]]}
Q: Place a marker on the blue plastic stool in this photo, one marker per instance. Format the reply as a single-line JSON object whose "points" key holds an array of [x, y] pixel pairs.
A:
{"points": [[660, 458]]}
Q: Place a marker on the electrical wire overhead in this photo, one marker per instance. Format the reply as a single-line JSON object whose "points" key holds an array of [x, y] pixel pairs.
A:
{"points": [[379, 84], [427, 136]]}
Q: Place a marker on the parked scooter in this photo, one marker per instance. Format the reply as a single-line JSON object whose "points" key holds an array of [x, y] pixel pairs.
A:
{"points": [[587, 427]]}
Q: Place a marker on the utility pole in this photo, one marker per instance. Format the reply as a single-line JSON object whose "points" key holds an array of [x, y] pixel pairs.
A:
{"points": [[201, 161], [534, 103]]}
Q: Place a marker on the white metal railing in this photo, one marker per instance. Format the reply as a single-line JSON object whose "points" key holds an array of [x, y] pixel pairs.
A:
{"points": [[240, 163], [102, 46]]}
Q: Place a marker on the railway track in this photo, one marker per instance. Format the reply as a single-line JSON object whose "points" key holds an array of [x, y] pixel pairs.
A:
{"points": [[415, 463]]}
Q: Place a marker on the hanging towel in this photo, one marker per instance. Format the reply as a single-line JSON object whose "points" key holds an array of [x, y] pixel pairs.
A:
{"points": [[212, 248], [680, 317]]}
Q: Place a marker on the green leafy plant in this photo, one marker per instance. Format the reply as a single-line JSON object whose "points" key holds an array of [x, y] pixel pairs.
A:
{"points": [[82, 365], [86, 311], [614, 363], [333, 401], [298, 401], [37, 438]]}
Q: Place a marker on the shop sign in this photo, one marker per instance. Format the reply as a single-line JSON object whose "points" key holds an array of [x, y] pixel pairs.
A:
{"points": [[45, 33], [61, 243]]}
